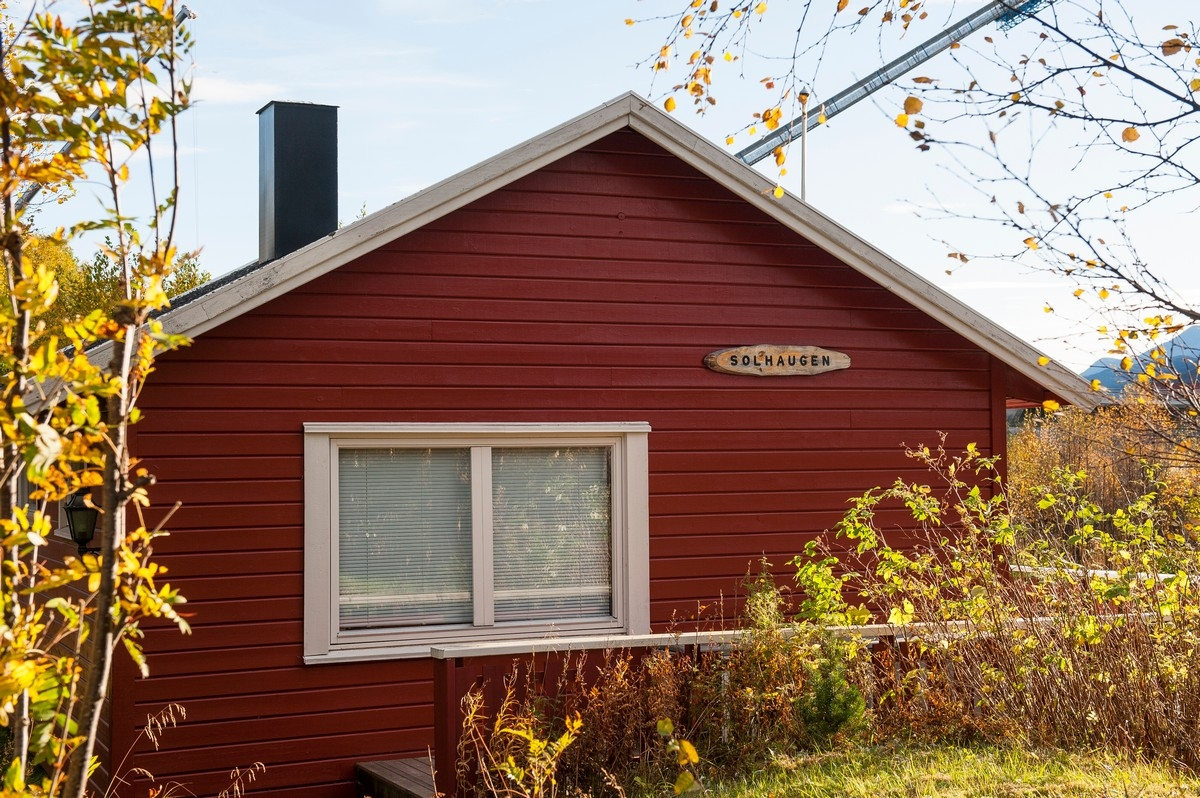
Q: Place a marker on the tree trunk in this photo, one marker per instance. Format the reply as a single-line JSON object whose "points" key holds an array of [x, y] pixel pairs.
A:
{"points": [[11, 456], [106, 627]]}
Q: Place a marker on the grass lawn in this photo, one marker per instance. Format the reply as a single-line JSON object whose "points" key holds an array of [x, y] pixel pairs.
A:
{"points": [[954, 772]]}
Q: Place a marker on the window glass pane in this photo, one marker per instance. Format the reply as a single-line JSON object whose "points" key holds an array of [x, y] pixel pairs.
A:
{"points": [[404, 537], [552, 539]]}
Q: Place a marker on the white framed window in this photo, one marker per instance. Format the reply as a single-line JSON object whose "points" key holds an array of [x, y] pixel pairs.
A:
{"points": [[418, 535]]}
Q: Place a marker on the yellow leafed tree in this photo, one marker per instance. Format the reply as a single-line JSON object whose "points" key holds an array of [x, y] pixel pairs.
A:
{"points": [[83, 95], [1107, 88], [1071, 122]]}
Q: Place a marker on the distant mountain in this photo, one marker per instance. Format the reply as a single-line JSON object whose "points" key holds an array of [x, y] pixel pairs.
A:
{"points": [[1183, 351]]}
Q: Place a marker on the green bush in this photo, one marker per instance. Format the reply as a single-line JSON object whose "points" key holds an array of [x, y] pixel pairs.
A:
{"points": [[1013, 638], [784, 687], [1003, 635]]}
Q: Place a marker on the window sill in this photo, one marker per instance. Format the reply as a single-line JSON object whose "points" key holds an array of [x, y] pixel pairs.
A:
{"points": [[517, 637], [378, 654], [548, 645]]}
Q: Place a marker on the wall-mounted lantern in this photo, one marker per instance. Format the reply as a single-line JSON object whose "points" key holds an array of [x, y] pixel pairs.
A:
{"points": [[81, 519]]}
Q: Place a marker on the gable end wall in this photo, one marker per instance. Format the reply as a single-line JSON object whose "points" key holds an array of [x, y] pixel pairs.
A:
{"points": [[588, 291]]}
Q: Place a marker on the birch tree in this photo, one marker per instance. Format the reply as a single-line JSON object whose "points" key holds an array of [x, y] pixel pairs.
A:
{"points": [[92, 97], [1069, 121]]}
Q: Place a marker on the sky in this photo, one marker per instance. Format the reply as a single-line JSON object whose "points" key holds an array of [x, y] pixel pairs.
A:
{"points": [[427, 89]]}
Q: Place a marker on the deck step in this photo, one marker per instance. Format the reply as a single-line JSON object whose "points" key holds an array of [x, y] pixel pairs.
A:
{"points": [[396, 778]]}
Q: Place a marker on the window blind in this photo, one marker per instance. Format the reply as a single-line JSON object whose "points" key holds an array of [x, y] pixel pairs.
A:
{"points": [[552, 532], [404, 537]]}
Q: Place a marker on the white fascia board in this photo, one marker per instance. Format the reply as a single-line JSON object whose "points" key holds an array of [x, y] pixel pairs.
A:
{"points": [[395, 221], [353, 241]]}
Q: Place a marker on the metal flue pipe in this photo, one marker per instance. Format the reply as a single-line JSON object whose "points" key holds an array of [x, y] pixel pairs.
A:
{"points": [[864, 88]]}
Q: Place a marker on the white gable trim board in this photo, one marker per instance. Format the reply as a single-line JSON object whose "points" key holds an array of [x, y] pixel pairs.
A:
{"points": [[213, 306]]}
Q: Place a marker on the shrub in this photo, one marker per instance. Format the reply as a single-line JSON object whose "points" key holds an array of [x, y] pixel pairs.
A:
{"points": [[1048, 619], [516, 756], [1016, 640], [781, 689], [1126, 450]]}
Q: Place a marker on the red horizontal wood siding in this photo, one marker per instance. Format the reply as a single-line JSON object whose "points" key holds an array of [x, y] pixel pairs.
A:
{"points": [[588, 291]]}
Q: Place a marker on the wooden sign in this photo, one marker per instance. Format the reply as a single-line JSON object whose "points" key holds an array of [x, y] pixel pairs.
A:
{"points": [[773, 360]]}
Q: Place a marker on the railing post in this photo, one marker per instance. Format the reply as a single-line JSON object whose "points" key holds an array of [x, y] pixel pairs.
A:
{"points": [[447, 726]]}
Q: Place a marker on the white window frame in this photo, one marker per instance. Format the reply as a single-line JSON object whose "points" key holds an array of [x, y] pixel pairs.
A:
{"points": [[325, 642]]}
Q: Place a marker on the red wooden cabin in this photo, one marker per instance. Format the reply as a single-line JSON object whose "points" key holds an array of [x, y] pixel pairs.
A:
{"points": [[535, 326]]}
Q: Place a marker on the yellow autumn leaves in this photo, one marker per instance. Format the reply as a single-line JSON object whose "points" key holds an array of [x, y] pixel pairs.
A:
{"points": [[1175, 45], [912, 106], [700, 60]]}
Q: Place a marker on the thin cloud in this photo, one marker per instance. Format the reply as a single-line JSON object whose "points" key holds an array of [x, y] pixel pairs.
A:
{"points": [[436, 13], [213, 89], [436, 79]]}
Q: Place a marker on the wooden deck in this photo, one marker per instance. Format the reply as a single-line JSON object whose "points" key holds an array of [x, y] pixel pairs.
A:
{"points": [[396, 778]]}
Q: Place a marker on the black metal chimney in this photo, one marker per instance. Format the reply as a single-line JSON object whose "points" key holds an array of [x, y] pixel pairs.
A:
{"points": [[297, 176]]}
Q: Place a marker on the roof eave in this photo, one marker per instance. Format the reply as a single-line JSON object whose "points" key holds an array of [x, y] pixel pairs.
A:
{"points": [[274, 279]]}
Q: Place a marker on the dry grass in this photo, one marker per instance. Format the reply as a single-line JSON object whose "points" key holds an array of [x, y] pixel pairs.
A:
{"points": [[773, 694]]}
